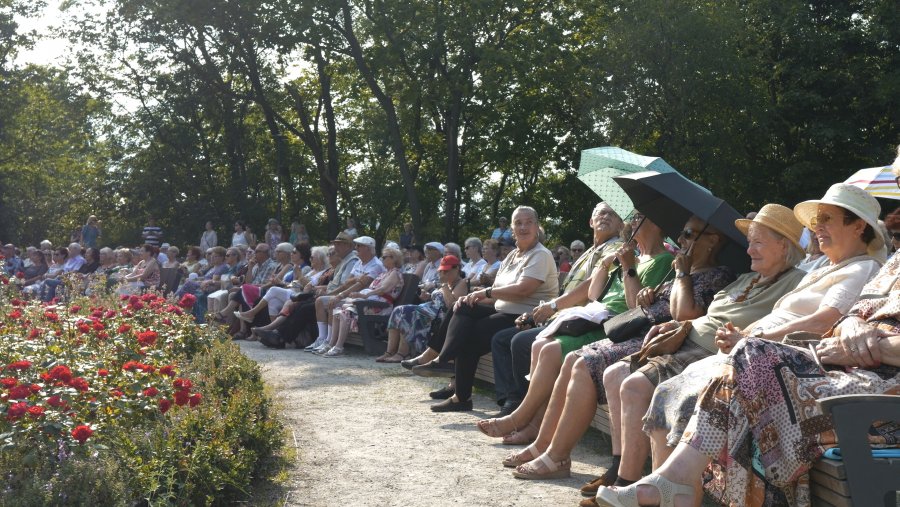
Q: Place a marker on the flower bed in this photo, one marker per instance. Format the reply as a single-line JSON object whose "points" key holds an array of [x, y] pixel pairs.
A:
{"points": [[124, 401]]}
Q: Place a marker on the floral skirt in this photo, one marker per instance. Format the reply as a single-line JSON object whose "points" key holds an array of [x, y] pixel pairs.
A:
{"points": [[600, 355], [760, 424], [348, 311], [414, 323]]}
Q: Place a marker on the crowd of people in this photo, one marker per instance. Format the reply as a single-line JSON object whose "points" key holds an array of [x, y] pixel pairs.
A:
{"points": [[707, 372]]}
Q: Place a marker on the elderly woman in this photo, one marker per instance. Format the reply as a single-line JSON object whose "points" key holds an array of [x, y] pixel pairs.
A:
{"points": [[581, 383], [144, 274], [411, 324], [37, 269], [617, 290], [476, 263], [681, 299], [527, 277], [385, 288], [192, 260], [251, 293], [844, 223], [738, 406], [291, 283], [491, 252]]}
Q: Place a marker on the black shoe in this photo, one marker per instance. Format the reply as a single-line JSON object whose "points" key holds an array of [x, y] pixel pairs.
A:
{"points": [[509, 406], [270, 338], [410, 363], [442, 393], [449, 405], [435, 369]]}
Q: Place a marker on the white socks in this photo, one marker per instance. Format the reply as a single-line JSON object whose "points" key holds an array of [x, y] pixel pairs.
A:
{"points": [[323, 332]]}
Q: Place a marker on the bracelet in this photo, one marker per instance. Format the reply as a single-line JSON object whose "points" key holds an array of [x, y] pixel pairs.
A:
{"points": [[487, 292]]}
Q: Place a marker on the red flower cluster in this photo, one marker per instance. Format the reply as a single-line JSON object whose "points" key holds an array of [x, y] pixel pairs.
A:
{"points": [[16, 410], [134, 365], [147, 338], [19, 365], [61, 373], [183, 394], [187, 301], [82, 432]]}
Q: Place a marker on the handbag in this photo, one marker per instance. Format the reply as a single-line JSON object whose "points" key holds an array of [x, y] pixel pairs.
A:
{"points": [[662, 344], [576, 327], [628, 325]]}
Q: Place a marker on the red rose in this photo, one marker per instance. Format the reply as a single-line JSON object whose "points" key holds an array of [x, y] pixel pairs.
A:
{"points": [[147, 338], [187, 301], [146, 368], [61, 372], [109, 314], [17, 302], [182, 383], [84, 328], [74, 308], [195, 399], [130, 365], [56, 401], [15, 314], [181, 397], [19, 392], [124, 328], [19, 365], [136, 305], [16, 410], [164, 405], [79, 383], [9, 382], [36, 411], [97, 314], [52, 317], [35, 332], [103, 372], [116, 392], [151, 392], [20, 275], [98, 326], [167, 370], [82, 432]]}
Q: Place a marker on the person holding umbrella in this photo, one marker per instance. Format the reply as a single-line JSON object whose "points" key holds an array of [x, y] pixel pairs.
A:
{"points": [[844, 221], [579, 386]]}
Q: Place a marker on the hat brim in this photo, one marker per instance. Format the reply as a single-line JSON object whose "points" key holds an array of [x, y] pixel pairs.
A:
{"points": [[806, 210], [743, 225]]}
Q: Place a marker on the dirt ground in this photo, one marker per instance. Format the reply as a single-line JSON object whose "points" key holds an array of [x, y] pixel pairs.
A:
{"points": [[365, 437]]}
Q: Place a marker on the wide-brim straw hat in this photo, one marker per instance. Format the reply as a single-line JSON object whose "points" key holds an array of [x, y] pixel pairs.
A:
{"points": [[851, 198], [778, 218]]}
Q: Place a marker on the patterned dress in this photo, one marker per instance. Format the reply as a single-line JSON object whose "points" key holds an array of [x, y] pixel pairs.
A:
{"points": [[415, 321], [599, 355], [759, 421], [348, 310], [838, 286]]}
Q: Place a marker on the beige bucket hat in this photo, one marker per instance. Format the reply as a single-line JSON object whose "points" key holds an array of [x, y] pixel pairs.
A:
{"points": [[778, 218]]}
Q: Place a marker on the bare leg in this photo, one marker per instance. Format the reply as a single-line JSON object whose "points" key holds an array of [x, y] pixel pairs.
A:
{"points": [[274, 324], [613, 377], [543, 378], [635, 394], [659, 448], [684, 466], [342, 330], [536, 348], [557, 402], [580, 405], [251, 313], [429, 355]]}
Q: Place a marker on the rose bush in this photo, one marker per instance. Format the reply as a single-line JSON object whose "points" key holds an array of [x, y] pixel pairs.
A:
{"points": [[126, 399]]}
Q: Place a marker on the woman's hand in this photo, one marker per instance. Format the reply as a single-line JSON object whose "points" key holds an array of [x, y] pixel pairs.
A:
{"points": [[859, 340], [646, 297], [683, 262], [727, 337], [541, 313], [524, 322], [625, 254], [471, 299], [831, 351], [665, 327]]}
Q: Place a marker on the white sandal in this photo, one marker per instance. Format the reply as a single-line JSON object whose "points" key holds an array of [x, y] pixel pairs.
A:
{"points": [[627, 496]]}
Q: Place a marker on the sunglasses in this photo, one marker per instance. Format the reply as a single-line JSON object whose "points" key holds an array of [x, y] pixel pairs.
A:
{"points": [[637, 217], [687, 234]]}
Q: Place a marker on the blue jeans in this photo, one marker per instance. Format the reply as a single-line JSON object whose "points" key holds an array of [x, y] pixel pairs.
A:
{"points": [[511, 351]]}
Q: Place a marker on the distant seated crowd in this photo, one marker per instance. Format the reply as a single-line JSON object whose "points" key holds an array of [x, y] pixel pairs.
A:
{"points": [[707, 370]]}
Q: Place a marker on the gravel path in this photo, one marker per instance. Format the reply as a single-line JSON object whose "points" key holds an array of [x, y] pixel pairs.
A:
{"points": [[366, 437]]}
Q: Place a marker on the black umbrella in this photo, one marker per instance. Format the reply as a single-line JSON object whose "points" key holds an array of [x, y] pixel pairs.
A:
{"points": [[669, 200]]}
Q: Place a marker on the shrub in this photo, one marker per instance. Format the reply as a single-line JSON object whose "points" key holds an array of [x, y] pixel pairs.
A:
{"points": [[127, 401]]}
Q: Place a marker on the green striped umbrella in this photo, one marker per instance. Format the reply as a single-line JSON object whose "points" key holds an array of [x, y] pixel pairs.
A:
{"points": [[599, 165]]}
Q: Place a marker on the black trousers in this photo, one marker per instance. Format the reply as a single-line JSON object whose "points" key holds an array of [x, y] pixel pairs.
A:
{"points": [[469, 337], [437, 338], [302, 318]]}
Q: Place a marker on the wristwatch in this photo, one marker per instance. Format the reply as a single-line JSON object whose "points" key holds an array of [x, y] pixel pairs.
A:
{"points": [[758, 333], [487, 292], [553, 305], [631, 272], [680, 274]]}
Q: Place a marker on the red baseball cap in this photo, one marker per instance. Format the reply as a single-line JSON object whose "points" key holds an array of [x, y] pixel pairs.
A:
{"points": [[448, 262]]}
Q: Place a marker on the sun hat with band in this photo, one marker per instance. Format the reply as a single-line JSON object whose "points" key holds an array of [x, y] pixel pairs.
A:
{"points": [[851, 198], [778, 218], [342, 237]]}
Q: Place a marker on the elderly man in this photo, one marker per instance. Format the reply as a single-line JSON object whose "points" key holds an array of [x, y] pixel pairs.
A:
{"points": [[366, 270], [75, 260], [344, 260], [12, 264], [577, 248], [511, 348], [260, 269]]}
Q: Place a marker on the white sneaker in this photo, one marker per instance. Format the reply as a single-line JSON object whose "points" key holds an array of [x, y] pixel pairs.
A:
{"points": [[334, 352]]}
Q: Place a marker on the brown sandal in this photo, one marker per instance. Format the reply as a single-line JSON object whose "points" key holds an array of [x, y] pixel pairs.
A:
{"points": [[521, 437], [543, 467]]}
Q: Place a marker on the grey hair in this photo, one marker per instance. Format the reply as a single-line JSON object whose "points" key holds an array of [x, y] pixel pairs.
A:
{"points": [[321, 253], [794, 254], [577, 243], [476, 242], [529, 209], [454, 249]]}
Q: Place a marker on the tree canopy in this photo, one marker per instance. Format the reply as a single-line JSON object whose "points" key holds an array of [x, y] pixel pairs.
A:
{"points": [[444, 114]]}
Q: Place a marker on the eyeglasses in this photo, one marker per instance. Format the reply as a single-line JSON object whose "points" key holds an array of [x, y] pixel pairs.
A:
{"points": [[637, 217], [818, 220], [578, 249]]}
